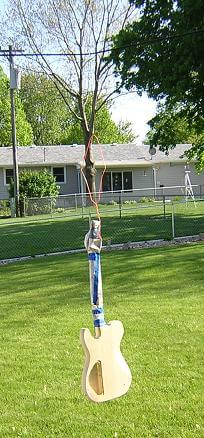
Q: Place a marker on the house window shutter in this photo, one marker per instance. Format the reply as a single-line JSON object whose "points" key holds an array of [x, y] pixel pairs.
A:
{"points": [[107, 182], [127, 180], [117, 181]]}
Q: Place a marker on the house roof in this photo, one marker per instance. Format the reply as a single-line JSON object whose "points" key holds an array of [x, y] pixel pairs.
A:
{"points": [[112, 155]]}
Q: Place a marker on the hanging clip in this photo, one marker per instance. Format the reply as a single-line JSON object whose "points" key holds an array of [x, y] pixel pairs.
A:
{"points": [[93, 239]]}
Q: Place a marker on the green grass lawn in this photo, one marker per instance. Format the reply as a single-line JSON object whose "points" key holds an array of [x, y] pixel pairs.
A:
{"points": [[157, 294], [31, 236]]}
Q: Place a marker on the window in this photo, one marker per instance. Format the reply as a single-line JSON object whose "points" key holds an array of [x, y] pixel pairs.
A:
{"points": [[59, 173], [114, 181], [8, 176]]}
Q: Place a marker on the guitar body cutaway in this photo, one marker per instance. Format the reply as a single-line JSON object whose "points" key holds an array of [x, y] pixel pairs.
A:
{"points": [[106, 374]]}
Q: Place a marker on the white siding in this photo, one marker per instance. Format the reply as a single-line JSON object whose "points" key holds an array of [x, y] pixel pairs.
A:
{"points": [[71, 185]]}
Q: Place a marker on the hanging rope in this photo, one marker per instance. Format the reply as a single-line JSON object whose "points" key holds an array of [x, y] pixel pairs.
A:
{"points": [[94, 202]]}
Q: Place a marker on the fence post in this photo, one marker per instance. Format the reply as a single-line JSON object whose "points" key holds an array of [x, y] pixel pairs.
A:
{"points": [[120, 206], [24, 205], [173, 221], [51, 205], [164, 205], [12, 207], [75, 198], [82, 205]]}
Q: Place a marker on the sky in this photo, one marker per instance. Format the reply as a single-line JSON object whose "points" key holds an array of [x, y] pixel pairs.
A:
{"points": [[138, 110]]}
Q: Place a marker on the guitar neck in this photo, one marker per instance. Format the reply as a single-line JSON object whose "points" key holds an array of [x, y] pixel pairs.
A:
{"points": [[93, 244], [96, 291]]}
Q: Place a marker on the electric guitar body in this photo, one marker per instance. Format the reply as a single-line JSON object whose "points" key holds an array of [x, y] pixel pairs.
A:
{"points": [[106, 374]]}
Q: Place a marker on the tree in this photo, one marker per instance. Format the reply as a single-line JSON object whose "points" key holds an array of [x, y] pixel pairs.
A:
{"points": [[23, 128], [162, 53], [106, 130], [45, 109], [80, 32], [171, 126], [34, 184]]}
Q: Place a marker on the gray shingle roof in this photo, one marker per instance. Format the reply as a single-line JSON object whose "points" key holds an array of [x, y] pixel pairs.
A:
{"points": [[113, 155]]}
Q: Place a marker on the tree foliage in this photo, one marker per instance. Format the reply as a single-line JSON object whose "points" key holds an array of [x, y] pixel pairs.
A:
{"points": [[171, 126], [162, 53], [23, 128]]}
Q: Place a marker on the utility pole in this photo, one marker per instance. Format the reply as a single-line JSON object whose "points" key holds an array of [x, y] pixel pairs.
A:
{"points": [[13, 130], [14, 85]]}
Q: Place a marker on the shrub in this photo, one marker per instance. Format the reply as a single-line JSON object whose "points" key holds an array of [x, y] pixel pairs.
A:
{"points": [[5, 208], [35, 184], [130, 202], [112, 202], [177, 198], [145, 200]]}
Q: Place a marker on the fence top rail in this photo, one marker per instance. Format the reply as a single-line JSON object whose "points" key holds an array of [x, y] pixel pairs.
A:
{"points": [[119, 191]]}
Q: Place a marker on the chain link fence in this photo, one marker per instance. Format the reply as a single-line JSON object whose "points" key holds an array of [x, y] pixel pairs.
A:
{"points": [[121, 223], [78, 203]]}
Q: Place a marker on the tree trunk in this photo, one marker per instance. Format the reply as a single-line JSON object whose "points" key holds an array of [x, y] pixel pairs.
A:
{"points": [[90, 170]]}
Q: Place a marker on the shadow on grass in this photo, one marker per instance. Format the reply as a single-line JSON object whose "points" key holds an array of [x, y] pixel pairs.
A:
{"points": [[45, 286], [31, 238], [170, 270]]}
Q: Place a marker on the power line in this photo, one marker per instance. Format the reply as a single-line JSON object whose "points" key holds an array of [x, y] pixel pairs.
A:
{"points": [[20, 53]]}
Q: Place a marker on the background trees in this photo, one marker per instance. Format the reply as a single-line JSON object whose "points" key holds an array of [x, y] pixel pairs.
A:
{"points": [[45, 109], [24, 130], [53, 123], [80, 32], [162, 53], [43, 118]]}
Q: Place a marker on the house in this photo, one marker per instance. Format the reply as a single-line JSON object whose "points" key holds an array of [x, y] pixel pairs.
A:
{"points": [[128, 167]]}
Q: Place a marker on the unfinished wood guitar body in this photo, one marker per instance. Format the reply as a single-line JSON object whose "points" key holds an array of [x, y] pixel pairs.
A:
{"points": [[106, 374]]}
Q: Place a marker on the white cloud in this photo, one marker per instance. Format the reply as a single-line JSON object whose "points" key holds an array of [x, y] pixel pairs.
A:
{"points": [[138, 110]]}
